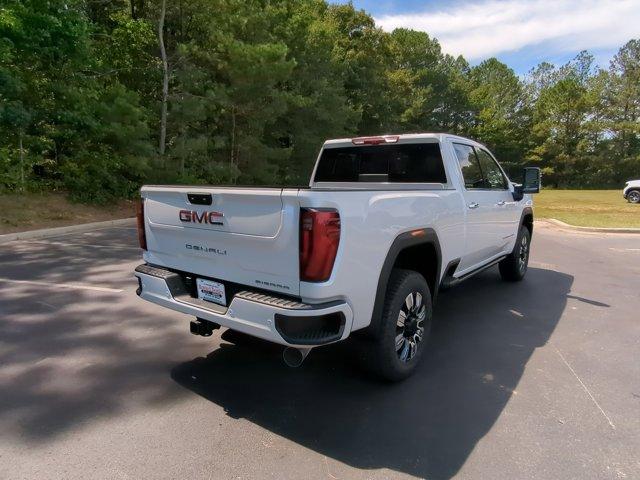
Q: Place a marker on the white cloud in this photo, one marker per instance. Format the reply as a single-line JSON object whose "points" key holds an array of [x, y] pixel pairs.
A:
{"points": [[482, 29]]}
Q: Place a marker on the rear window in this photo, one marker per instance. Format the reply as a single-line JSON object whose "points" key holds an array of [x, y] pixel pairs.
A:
{"points": [[401, 163]]}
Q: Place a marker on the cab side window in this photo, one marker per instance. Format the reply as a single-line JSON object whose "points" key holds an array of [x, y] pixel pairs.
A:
{"points": [[469, 166], [493, 177]]}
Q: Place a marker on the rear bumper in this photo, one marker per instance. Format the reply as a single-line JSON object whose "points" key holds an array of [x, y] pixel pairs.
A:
{"points": [[268, 317]]}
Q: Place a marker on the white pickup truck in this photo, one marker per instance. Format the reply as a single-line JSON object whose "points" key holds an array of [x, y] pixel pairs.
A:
{"points": [[384, 224]]}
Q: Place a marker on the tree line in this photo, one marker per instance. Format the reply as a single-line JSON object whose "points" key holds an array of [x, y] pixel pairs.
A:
{"points": [[100, 96]]}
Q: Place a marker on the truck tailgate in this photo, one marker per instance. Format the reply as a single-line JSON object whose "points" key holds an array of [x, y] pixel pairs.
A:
{"points": [[245, 235]]}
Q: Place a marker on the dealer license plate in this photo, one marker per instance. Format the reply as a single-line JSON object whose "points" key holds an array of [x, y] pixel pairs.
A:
{"points": [[211, 291]]}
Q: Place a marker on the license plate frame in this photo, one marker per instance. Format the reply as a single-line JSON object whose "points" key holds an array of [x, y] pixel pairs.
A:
{"points": [[211, 291]]}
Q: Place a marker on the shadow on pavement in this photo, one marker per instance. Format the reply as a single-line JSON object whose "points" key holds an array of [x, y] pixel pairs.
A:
{"points": [[427, 426], [72, 258], [71, 356]]}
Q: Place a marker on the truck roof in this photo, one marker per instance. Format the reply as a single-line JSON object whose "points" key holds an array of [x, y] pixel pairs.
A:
{"points": [[411, 137]]}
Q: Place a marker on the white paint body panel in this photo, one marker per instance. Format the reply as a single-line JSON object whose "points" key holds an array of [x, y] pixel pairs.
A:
{"points": [[371, 221], [260, 232], [257, 242]]}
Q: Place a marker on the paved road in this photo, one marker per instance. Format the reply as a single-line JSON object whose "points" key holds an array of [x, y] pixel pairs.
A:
{"points": [[533, 380]]}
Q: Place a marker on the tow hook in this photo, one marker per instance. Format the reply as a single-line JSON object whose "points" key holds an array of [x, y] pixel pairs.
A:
{"points": [[293, 357], [202, 327]]}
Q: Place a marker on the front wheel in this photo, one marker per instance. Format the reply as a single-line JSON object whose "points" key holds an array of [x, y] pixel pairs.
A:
{"points": [[514, 267], [405, 324], [633, 196]]}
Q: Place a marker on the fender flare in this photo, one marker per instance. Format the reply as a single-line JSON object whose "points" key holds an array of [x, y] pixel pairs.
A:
{"points": [[526, 211], [402, 241]]}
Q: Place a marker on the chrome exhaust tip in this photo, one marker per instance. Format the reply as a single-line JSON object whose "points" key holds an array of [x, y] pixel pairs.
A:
{"points": [[293, 357]]}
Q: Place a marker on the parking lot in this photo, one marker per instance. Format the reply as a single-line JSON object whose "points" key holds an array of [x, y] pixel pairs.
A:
{"points": [[539, 379]]}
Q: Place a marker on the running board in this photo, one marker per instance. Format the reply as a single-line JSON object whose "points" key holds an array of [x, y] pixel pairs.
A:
{"points": [[451, 281]]}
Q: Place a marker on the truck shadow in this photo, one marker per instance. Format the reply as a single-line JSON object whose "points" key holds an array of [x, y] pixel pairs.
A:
{"points": [[427, 426]]}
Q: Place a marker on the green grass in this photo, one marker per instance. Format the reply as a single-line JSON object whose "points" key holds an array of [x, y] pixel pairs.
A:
{"points": [[587, 208], [30, 211]]}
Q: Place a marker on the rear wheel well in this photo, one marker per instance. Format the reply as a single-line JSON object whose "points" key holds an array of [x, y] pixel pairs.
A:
{"points": [[419, 251], [422, 258]]}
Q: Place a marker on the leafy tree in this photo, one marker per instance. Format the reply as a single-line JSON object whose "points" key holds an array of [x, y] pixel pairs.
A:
{"points": [[501, 114], [318, 106], [363, 49], [559, 116], [252, 88], [622, 103], [416, 81]]}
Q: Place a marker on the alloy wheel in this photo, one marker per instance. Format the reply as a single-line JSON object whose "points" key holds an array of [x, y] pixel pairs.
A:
{"points": [[523, 253], [410, 326]]}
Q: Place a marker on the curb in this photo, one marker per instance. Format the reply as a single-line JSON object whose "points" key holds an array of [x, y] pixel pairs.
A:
{"points": [[53, 232], [83, 227], [566, 226]]}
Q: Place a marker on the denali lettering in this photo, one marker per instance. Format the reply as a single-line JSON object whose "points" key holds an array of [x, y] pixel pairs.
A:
{"points": [[212, 218], [200, 248]]}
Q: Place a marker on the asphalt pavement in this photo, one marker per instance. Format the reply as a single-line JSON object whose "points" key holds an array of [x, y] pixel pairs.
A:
{"points": [[534, 380]]}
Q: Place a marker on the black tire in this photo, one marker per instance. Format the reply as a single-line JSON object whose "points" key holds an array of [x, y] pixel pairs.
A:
{"points": [[396, 361], [514, 267], [633, 196]]}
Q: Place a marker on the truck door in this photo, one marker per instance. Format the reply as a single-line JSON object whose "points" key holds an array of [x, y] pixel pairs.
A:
{"points": [[481, 207], [506, 211]]}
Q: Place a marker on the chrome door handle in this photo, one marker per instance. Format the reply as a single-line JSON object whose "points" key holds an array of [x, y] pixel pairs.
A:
{"points": [[501, 203], [473, 205]]}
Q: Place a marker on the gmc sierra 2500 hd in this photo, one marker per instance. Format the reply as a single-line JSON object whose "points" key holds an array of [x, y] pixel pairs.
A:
{"points": [[385, 223]]}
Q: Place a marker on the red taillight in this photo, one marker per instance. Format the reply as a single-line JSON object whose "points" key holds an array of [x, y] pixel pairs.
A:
{"points": [[375, 140], [142, 236], [319, 239]]}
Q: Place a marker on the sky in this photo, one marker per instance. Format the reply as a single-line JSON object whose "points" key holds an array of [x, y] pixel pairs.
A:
{"points": [[519, 33]]}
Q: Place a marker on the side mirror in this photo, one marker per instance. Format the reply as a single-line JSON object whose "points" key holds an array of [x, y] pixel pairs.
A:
{"points": [[530, 183], [531, 180]]}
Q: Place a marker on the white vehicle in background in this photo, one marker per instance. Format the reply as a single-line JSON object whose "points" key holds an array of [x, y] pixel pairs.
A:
{"points": [[384, 224], [632, 191]]}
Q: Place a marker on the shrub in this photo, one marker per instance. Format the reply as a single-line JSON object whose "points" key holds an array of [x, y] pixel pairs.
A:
{"points": [[100, 178]]}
